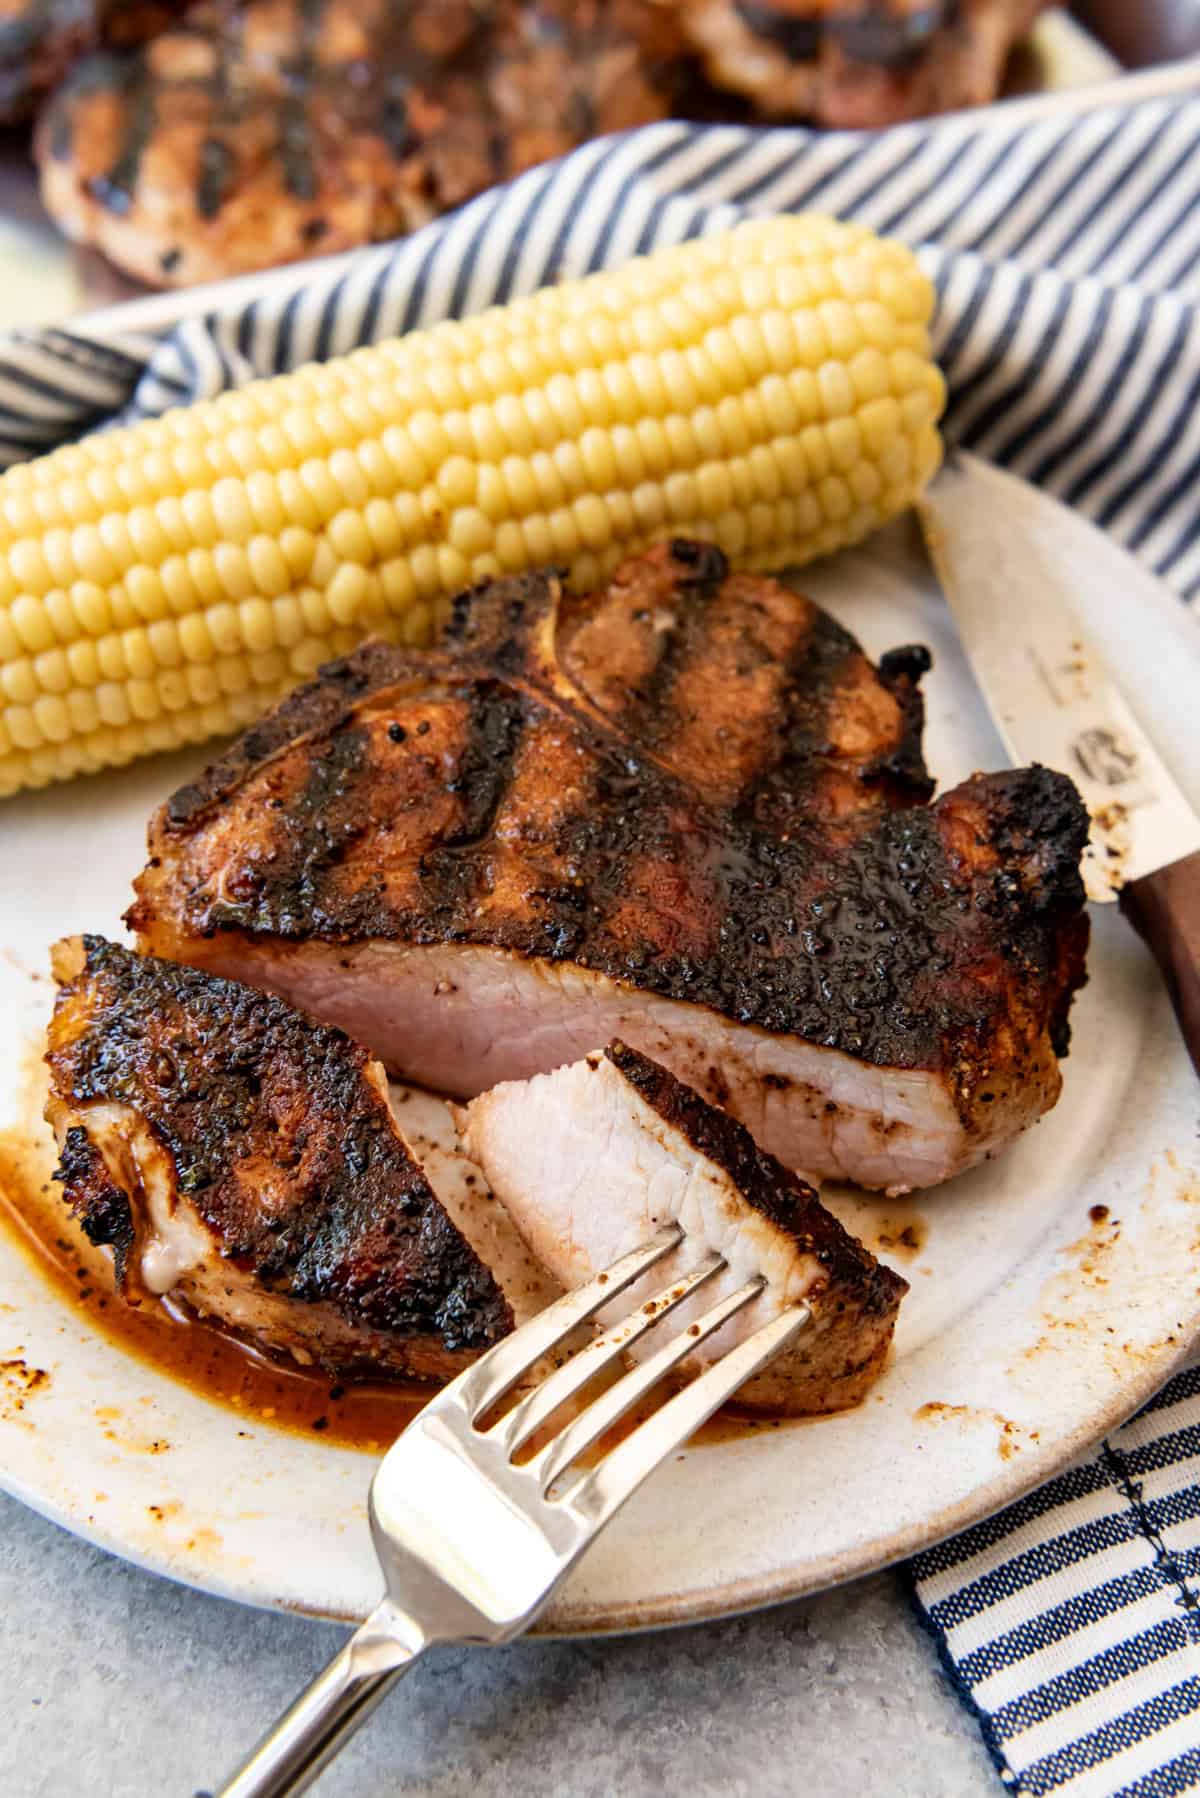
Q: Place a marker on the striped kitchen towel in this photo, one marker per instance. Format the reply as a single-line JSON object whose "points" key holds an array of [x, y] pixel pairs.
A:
{"points": [[1070, 1623], [1066, 253]]}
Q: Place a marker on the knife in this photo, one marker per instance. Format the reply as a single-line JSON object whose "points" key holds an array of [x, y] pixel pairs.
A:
{"points": [[1013, 565]]}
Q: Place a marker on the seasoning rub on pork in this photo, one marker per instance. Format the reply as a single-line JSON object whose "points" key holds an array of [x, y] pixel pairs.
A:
{"points": [[686, 811]]}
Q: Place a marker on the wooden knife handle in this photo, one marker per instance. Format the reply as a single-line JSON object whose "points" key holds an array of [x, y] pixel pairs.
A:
{"points": [[1164, 908]]}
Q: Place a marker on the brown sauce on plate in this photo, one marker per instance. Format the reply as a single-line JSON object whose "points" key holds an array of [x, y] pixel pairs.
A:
{"points": [[230, 1373]]}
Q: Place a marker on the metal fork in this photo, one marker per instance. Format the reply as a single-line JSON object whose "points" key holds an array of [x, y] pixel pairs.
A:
{"points": [[472, 1543]]}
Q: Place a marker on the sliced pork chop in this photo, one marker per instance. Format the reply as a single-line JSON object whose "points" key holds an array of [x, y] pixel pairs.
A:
{"points": [[430, 1132], [590, 1160], [245, 1160], [695, 823]]}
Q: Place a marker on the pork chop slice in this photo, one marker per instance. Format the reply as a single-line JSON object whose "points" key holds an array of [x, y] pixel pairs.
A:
{"points": [[684, 812], [429, 1130], [591, 1159], [244, 1160]]}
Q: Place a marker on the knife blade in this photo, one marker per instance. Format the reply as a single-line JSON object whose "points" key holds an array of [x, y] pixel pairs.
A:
{"points": [[1014, 566]]}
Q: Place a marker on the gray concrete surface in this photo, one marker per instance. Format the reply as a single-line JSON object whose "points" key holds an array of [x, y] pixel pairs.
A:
{"points": [[119, 1685]]}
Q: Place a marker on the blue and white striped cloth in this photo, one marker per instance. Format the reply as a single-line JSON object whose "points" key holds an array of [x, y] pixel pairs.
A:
{"points": [[1066, 253], [1070, 1623]]}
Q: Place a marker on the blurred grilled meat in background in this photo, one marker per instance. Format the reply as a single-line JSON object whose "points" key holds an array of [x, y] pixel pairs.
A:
{"points": [[262, 132], [40, 40], [858, 66], [190, 141]]}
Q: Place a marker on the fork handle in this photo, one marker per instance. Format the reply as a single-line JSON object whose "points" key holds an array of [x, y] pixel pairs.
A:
{"points": [[305, 1740]]}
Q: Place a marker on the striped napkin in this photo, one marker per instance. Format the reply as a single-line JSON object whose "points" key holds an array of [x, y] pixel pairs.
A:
{"points": [[1066, 254], [1069, 1625]]}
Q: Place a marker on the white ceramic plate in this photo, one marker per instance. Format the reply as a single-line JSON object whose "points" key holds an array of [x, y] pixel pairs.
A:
{"points": [[1030, 1329]]}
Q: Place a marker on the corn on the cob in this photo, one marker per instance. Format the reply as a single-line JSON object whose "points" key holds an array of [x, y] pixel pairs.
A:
{"points": [[771, 389]]}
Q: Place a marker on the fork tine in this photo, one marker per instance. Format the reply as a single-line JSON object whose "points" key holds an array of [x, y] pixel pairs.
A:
{"points": [[498, 1371], [559, 1386], [603, 1490], [609, 1406]]}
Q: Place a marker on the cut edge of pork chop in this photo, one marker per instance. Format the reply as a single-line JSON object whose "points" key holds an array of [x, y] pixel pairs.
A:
{"points": [[428, 1127], [245, 1160], [462, 1019], [591, 1159]]}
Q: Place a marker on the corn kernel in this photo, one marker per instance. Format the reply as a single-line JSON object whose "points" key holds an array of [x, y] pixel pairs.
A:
{"points": [[347, 593], [31, 624], [22, 729], [18, 682]]}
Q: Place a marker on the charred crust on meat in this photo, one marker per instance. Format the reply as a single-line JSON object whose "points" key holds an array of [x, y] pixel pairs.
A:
{"points": [[809, 894], [319, 705], [705, 565], [246, 1095], [479, 783], [102, 1208], [907, 663], [901, 671], [498, 617], [781, 1196]]}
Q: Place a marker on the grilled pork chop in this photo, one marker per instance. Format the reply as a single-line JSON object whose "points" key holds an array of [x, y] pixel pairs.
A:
{"points": [[245, 1160], [590, 1160], [686, 812]]}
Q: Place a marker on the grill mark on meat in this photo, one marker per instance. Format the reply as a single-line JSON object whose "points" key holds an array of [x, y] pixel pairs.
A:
{"points": [[658, 907], [947, 937], [319, 705], [841, 730], [536, 867], [114, 188], [712, 706], [483, 775], [894, 40], [295, 144], [280, 1138], [322, 820], [874, 34], [797, 36], [216, 167], [759, 699], [453, 865]]}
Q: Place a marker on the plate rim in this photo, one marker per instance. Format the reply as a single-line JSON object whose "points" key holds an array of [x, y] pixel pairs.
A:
{"points": [[581, 1615], [733, 1598]]}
